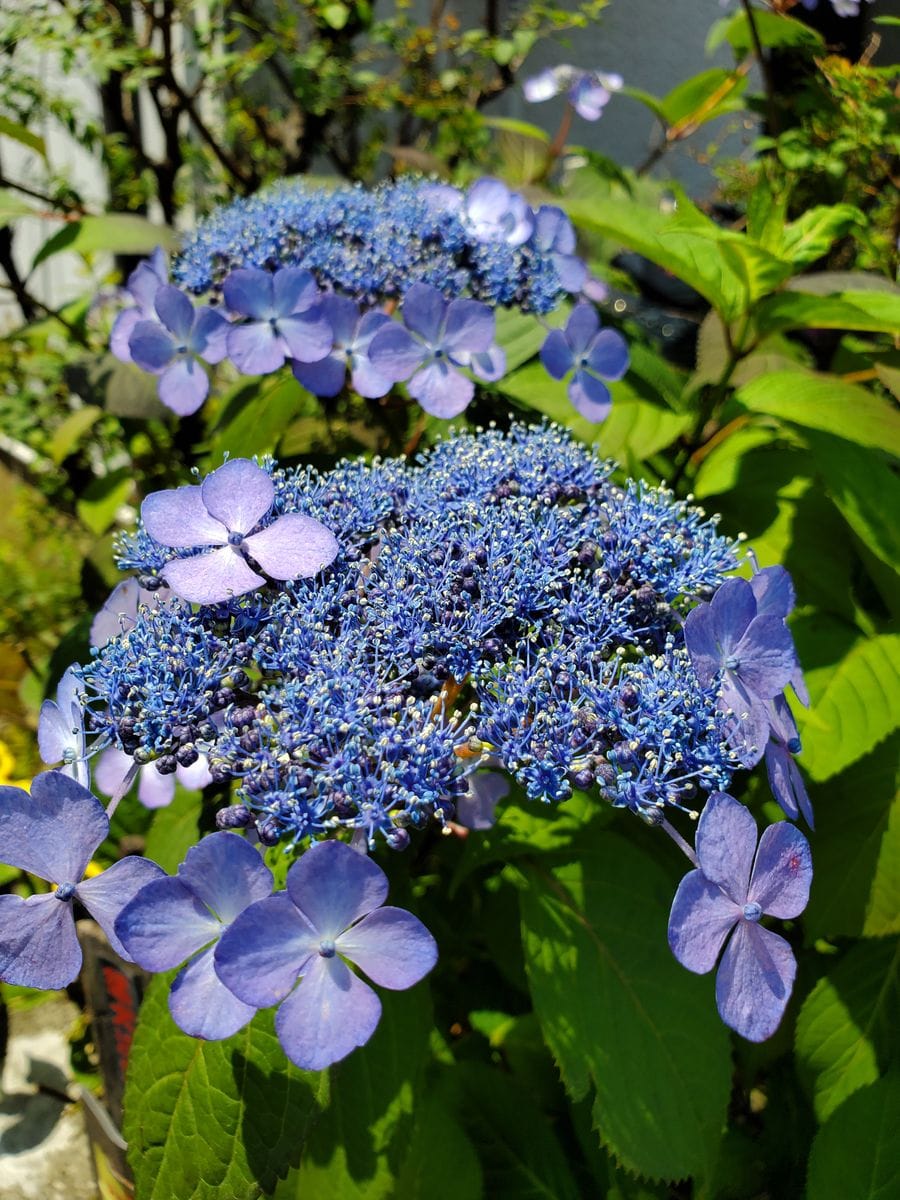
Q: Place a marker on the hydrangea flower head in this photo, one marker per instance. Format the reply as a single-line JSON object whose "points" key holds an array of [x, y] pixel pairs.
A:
{"points": [[52, 833], [435, 339], [736, 884], [223, 512], [594, 354], [285, 320], [173, 347], [587, 91], [179, 919], [331, 914], [61, 729]]}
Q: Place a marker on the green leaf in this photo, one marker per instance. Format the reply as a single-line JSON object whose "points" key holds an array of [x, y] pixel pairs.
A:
{"points": [[856, 881], [666, 241], [826, 403], [112, 233], [774, 30], [441, 1163], [102, 498], [521, 1155], [174, 830], [523, 128], [845, 1029], [857, 710], [336, 15], [868, 312], [720, 470], [68, 435], [866, 492], [703, 97], [22, 135], [255, 415], [619, 1013], [856, 1153], [654, 103], [520, 334], [812, 234], [207, 1119], [234, 1118]]}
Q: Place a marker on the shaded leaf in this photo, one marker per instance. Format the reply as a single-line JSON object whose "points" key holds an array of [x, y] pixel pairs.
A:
{"points": [[24, 136], [101, 500], [870, 311], [174, 830], [67, 436], [845, 1029], [112, 233], [618, 1012], [856, 1153]]}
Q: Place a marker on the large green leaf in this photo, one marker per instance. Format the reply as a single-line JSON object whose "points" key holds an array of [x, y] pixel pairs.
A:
{"points": [[857, 710], [703, 97], [865, 490], [856, 880], [255, 414], [113, 233], [520, 1153], [619, 1013], [669, 243], [206, 1120], [213, 1119], [520, 334], [441, 1163], [812, 234], [826, 403], [846, 1027], [856, 1153], [868, 311]]}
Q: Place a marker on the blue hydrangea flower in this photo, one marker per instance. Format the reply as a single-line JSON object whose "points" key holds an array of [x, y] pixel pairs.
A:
{"points": [[143, 283], [554, 235], [434, 340], [61, 729], [332, 913], [587, 91], [496, 214], [53, 833], [733, 887], [352, 334], [173, 346], [223, 512], [285, 322], [593, 353], [180, 919]]}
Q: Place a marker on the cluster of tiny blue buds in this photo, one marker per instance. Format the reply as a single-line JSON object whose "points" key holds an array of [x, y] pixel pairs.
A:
{"points": [[371, 245], [500, 603]]}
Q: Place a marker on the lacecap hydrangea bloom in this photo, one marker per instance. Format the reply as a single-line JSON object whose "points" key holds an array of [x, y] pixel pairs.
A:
{"points": [[355, 287], [499, 611]]}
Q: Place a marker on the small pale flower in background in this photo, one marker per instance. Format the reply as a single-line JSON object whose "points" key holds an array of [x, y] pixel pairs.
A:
{"points": [[587, 91]]}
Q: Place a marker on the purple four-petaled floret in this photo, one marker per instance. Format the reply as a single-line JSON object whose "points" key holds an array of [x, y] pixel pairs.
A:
{"points": [[436, 338], [143, 283], [178, 919], [493, 213], [587, 91], [594, 354], [174, 346], [332, 911], [222, 513], [353, 334], [286, 320], [733, 887], [53, 833]]}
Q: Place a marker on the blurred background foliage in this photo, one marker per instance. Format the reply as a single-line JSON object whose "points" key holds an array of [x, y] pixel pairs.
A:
{"points": [[763, 320]]}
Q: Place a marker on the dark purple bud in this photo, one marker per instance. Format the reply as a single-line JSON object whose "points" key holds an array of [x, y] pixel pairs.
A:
{"points": [[397, 839], [186, 755], [268, 831], [167, 764], [236, 816]]}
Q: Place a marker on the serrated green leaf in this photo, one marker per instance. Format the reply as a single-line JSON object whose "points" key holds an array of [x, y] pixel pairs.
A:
{"points": [[866, 492], [174, 830], [113, 233], [67, 435], [619, 1013], [670, 242], [520, 1154], [857, 710], [869, 311], [856, 1153], [213, 1119], [856, 881], [845, 1029], [813, 233], [826, 403]]}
